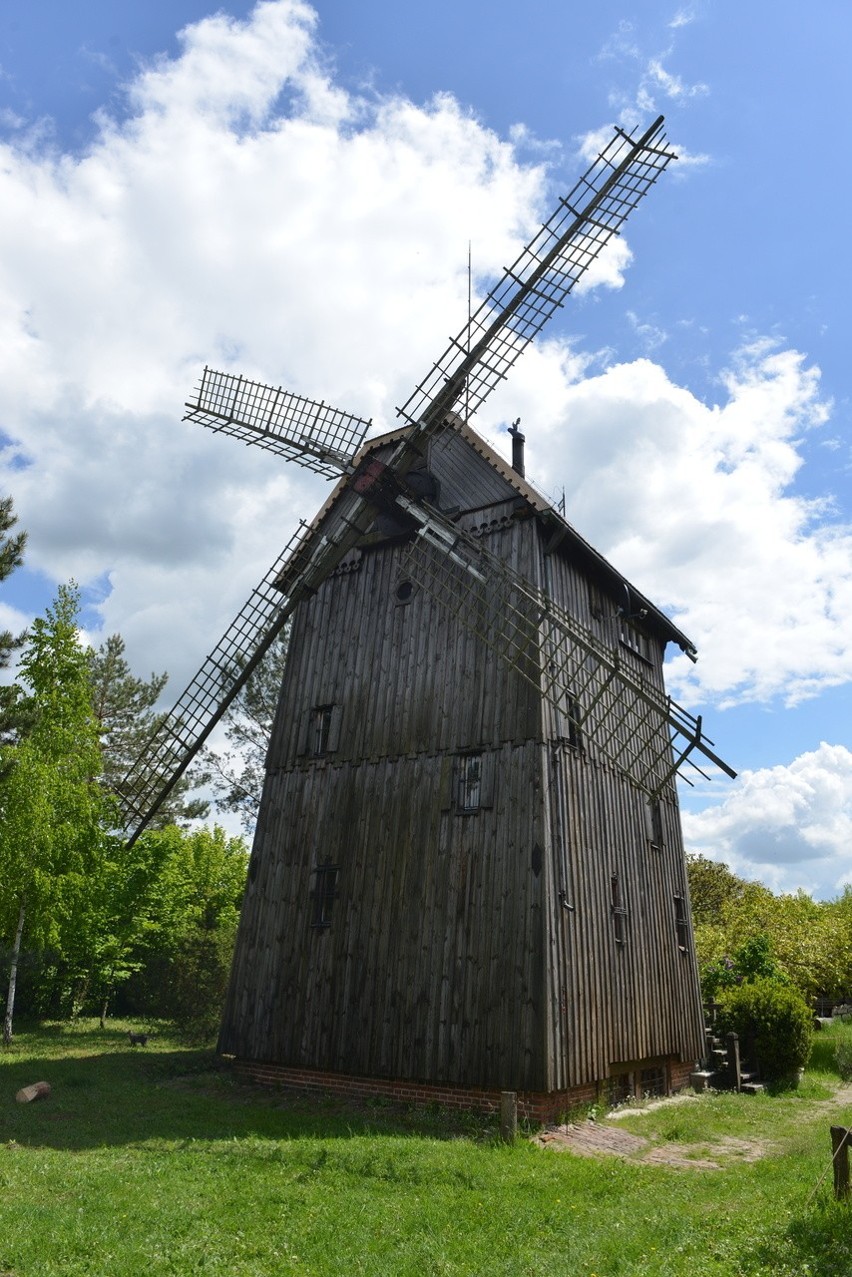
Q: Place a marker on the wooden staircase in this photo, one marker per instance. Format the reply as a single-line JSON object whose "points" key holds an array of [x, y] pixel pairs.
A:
{"points": [[722, 1068]]}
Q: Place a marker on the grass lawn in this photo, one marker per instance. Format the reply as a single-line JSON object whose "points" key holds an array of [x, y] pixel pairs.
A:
{"points": [[152, 1161]]}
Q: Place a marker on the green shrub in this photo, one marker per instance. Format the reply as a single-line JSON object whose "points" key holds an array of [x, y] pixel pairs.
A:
{"points": [[774, 1024], [843, 1059], [197, 981]]}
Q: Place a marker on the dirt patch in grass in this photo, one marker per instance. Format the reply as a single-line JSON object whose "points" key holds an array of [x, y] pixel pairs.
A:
{"points": [[590, 1139]]}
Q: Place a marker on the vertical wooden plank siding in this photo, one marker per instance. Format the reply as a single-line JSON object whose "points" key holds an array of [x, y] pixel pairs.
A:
{"points": [[450, 956]]}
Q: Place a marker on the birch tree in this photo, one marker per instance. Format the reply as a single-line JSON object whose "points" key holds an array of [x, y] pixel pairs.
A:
{"points": [[52, 807]]}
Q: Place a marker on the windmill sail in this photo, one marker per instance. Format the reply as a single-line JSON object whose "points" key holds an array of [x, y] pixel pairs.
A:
{"points": [[181, 732], [629, 722], [316, 435], [326, 439], [543, 276]]}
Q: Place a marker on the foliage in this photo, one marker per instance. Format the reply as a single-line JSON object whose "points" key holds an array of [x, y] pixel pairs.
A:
{"points": [[774, 1024], [811, 940], [154, 1161], [753, 960], [238, 773], [124, 707], [712, 888], [199, 967], [52, 809], [843, 1058], [193, 910]]}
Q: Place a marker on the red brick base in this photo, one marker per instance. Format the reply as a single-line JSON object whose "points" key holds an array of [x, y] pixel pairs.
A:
{"points": [[533, 1106]]}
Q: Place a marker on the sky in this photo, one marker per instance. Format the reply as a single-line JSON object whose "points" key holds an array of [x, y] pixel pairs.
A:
{"points": [[289, 191]]}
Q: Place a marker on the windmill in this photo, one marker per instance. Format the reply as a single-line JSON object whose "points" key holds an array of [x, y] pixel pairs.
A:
{"points": [[554, 680]]}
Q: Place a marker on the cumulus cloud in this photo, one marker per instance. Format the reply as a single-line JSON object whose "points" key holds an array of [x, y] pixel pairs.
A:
{"points": [[696, 504], [245, 212], [788, 826]]}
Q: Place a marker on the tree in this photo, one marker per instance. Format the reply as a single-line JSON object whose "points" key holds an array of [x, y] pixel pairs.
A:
{"points": [[11, 557], [52, 807], [124, 707], [712, 888], [194, 910], [238, 774]]}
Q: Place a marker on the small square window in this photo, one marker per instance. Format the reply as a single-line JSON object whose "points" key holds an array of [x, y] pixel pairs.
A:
{"points": [[620, 1088], [652, 1082]]}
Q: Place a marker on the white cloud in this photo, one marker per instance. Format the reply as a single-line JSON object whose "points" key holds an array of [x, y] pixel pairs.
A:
{"points": [[250, 214], [695, 503], [246, 213], [648, 81], [787, 826]]}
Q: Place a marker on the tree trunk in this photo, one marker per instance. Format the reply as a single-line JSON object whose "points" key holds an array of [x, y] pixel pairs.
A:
{"points": [[104, 1009], [13, 978]]}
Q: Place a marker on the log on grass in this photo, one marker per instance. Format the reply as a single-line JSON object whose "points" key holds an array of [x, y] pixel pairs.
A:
{"points": [[37, 1091]]}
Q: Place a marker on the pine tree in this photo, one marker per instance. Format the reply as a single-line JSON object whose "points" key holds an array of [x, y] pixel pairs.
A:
{"points": [[124, 707]]}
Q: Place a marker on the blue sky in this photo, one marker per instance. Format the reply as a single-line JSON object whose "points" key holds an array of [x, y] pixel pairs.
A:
{"points": [[289, 190]]}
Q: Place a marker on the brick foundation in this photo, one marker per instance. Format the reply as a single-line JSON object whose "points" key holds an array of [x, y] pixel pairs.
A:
{"points": [[679, 1074], [533, 1106]]}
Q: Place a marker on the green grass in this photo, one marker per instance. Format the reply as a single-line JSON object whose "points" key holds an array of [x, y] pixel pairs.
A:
{"points": [[152, 1161]]}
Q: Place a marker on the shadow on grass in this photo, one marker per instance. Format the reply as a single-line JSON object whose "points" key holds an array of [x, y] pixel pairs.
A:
{"points": [[119, 1095], [818, 1243]]}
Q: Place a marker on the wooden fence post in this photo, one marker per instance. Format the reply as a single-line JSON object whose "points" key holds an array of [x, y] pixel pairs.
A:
{"points": [[840, 1161], [508, 1116], [734, 1060]]}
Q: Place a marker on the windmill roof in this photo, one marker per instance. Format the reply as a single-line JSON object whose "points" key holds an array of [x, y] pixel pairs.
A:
{"points": [[565, 536]]}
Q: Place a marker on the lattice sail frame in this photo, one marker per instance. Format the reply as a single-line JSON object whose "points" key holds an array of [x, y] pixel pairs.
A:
{"points": [[319, 437], [181, 732], [632, 724], [543, 276], [326, 439]]}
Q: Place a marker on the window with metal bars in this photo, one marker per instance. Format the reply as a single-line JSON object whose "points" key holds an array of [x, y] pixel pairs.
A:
{"points": [[620, 1088], [652, 1082], [681, 923], [324, 893], [618, 910], [321, 729], [469, 782]]}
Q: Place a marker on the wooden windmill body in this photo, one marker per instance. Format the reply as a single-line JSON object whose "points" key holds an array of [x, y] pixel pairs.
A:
{"points": [[468, 872]]}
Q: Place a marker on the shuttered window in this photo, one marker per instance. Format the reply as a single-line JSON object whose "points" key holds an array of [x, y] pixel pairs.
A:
{"points": [[681, 923], [324, 893], [320, 731], [654, 822], [467, 782], [618, 910]]}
